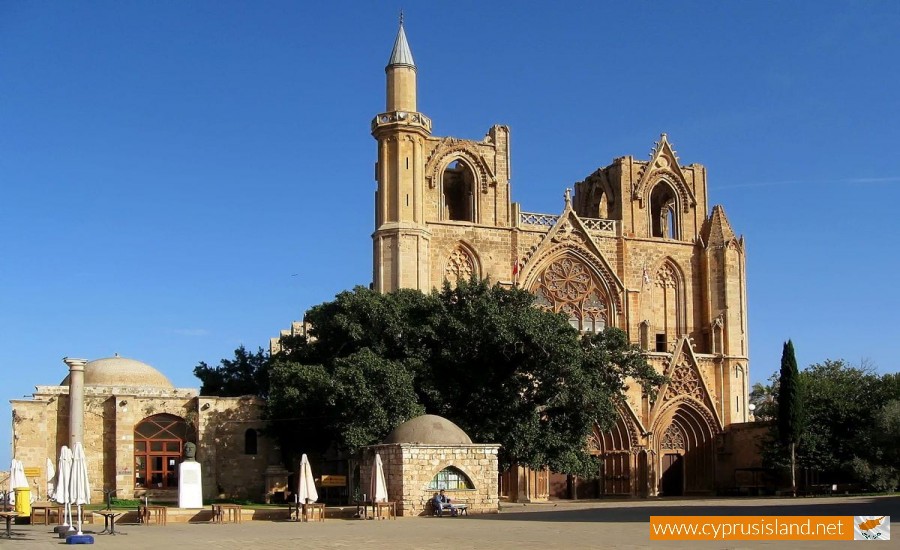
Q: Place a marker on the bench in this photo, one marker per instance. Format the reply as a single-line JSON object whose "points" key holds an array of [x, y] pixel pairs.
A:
{"points": [[461, 508]]}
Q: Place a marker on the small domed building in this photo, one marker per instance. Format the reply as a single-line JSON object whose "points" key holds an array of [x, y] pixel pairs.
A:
{"points": [[428, 453], [135, 426]]}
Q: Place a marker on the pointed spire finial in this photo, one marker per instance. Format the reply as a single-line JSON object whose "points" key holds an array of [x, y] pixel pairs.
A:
{"points": [[568, 196], [401, 55]]}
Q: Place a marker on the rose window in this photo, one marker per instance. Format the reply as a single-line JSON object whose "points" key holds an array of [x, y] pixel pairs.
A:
{"points": [[567, 286], [567, 280]]}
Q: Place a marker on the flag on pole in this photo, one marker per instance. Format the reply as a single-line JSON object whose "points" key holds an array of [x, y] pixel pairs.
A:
{"points": [[515, 272]]}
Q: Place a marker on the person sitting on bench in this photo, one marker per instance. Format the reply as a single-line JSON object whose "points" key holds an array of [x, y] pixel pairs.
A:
{"points": [[440, 501]]}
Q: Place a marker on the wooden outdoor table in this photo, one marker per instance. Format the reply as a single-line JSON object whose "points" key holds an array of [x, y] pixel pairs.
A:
{"points": [[44, 511], [158, 513], [388, 508], [9, 516], [232, 511], [314, 511]]}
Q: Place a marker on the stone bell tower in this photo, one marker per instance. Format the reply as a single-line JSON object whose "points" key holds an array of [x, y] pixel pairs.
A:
{"points": [[401, 240]]}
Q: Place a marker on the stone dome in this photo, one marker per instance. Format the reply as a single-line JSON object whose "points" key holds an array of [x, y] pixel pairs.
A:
{"points": [[428, 429], [121, 371]]}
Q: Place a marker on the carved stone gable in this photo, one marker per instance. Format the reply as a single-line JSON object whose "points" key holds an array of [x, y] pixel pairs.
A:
{"points": [[568, 233], [685, 381], [664, 165]]}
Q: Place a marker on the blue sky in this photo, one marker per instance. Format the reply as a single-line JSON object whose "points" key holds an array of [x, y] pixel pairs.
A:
{"points": [[180, 178]]}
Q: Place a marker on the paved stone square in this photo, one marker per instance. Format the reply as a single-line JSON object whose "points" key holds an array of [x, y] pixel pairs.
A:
{"points": [[562, 524]]}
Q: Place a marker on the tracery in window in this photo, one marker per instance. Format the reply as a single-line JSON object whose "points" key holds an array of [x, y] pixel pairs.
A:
{"points": [[567, 286], [460, 266]]}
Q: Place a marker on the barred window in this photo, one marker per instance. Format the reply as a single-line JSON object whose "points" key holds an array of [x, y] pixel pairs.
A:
{"points": [[450, 478]]}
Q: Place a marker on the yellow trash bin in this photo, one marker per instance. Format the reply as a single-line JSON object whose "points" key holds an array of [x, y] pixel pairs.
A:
{"points": [[23, 501]]}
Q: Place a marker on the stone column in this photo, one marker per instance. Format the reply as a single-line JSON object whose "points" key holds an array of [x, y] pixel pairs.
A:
{"points": [[76, 400]]}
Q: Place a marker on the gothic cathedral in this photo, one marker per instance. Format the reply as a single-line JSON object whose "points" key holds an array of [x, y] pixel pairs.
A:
{"points": [[636, 247]]}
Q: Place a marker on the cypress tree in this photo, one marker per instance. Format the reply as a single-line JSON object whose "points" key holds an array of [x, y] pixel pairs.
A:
{"points": [[790, 407]]}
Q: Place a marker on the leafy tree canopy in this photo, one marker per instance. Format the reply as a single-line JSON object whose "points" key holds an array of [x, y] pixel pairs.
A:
{"points": [[482, 356], [852, 429], [246, 374]]}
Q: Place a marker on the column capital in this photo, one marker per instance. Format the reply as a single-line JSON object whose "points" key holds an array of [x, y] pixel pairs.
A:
{"points": [[74, 364]]}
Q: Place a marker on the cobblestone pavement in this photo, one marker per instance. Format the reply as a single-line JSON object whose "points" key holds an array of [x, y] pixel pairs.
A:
{"points": [[563, 524]]}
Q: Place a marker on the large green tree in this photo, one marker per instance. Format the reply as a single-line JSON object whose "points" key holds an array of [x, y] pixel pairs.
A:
{"points": [[790, 407], [481, 355], [852, 427], [246, 374]]}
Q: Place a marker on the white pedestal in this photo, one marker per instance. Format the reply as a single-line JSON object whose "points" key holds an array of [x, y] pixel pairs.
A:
{"points": [[190, 487]]}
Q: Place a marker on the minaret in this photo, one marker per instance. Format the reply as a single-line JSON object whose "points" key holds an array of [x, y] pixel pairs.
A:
{"points": [[401, 239]]}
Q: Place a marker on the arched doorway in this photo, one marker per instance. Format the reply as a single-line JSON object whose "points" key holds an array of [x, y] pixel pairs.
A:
{"points": [[158, 444], [686, 452], [615, 452]]}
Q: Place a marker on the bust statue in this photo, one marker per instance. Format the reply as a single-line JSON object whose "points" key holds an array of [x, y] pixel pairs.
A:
{"points": [[190, 451]]}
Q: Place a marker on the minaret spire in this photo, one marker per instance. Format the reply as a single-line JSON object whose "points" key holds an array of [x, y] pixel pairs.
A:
{"points": [[401, 55], [402, 238]]}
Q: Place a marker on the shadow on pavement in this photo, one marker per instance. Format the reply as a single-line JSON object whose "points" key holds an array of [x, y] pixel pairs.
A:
{"points": [[884, 506]]}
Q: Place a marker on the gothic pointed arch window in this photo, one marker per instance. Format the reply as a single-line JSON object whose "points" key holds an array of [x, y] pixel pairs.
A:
{"points": [[460, 265], [458, 192], [569, 286], [668, 308], [664, 219]]}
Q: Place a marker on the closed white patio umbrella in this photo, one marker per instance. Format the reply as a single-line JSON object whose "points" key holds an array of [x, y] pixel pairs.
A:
{"points": [[61, 494], [17, 478], [306, 484], [378, 487], [79, 485]]}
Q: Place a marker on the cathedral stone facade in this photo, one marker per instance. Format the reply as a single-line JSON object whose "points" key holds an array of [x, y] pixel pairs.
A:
{"points": [[636, 247]]}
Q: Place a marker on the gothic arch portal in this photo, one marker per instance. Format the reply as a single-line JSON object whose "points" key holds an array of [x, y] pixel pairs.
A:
{"points": [[618, 448], [684, 436]]}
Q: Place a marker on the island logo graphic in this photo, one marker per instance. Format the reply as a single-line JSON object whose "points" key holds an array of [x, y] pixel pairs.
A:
{"points": [[871, 527]]}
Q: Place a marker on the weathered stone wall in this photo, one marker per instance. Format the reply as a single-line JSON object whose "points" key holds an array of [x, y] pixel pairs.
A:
{"points": [[740, 453], [40, 428], [226, 468], [409, 469]]}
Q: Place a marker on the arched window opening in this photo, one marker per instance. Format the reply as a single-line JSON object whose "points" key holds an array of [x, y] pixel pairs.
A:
{"points": [[568, 287], [663, 212], [158, 444], [451, 479], [251, 442], [668, 305], [603, 206], [459, 192]]}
